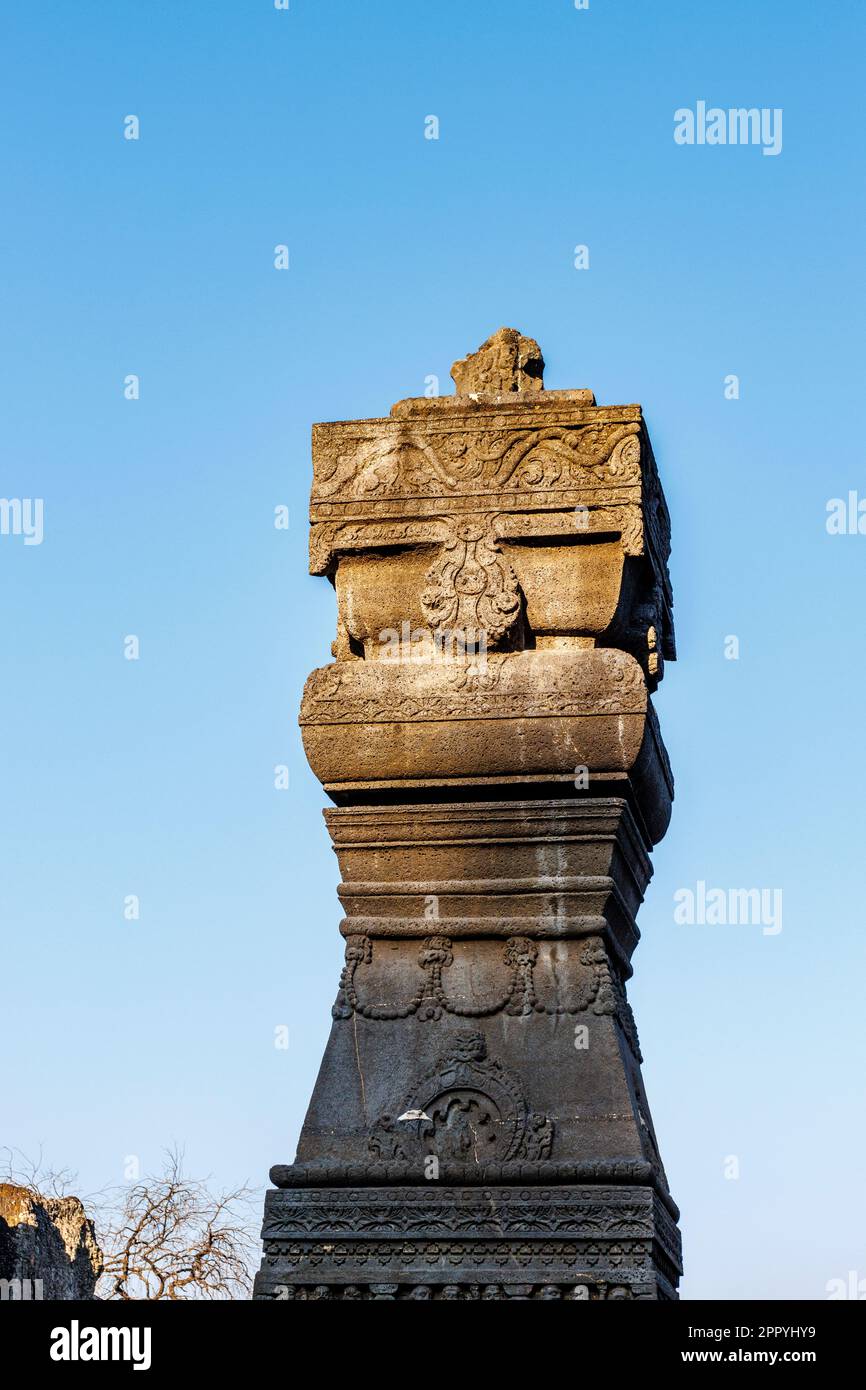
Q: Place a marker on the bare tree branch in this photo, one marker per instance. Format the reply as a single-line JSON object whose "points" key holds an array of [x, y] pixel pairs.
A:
{"points": [[170, 1237], [34, 1175]]}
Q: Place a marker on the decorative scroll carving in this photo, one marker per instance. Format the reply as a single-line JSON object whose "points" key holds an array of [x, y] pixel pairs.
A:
{"points": [[567, 458], [406, 464]]}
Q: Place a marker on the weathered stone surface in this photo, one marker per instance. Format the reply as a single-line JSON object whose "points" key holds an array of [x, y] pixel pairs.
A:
{"points": [[506, 362], [584, 1241], [547, 870], [47, 1246], [530, 719], [539, 519], [479, 1126]]}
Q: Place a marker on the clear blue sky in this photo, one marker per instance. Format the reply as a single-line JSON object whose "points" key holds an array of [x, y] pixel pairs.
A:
{"points": [[155, 777]]}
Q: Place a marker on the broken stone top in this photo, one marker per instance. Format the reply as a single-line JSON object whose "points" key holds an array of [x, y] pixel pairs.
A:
{"points": [[507, 362]]}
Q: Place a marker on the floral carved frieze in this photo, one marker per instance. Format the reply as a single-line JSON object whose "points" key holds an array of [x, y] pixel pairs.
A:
{"points": [[632, 1258], [551, 1211]]}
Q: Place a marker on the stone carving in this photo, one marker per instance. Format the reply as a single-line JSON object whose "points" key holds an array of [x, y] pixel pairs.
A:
{"points": [[333, 537], [468, 1109], [620, 1006], [437, 1211], [599, 988], [470, 588], [418, 1293], [467, 462], [496, 800], [460, 688], [631, 1259], [507, 361], [308, 1178], [575, 457]]}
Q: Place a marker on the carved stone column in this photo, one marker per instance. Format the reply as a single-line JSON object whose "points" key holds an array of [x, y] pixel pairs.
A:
{"points": [[479, 1127]]}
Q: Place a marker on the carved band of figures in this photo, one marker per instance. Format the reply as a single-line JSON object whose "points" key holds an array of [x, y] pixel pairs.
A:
{"points": [[455, 1293]]}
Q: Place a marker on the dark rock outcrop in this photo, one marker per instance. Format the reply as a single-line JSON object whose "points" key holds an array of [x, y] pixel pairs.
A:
{"points": [[48, 1246]]}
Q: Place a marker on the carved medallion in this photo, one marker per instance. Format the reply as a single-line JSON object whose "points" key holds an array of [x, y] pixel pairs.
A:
{"points": [[467, 1109]]}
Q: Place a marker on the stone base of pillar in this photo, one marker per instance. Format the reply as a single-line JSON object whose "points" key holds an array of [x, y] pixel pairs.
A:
{"points": [[479, 1120], [582, 1242]]}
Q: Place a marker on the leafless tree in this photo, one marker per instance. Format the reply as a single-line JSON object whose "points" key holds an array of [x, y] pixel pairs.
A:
{"points": [[170, 1237]]}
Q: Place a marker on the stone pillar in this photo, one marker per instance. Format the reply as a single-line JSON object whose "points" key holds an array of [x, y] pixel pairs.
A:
{"points": [[479, 1127]]}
